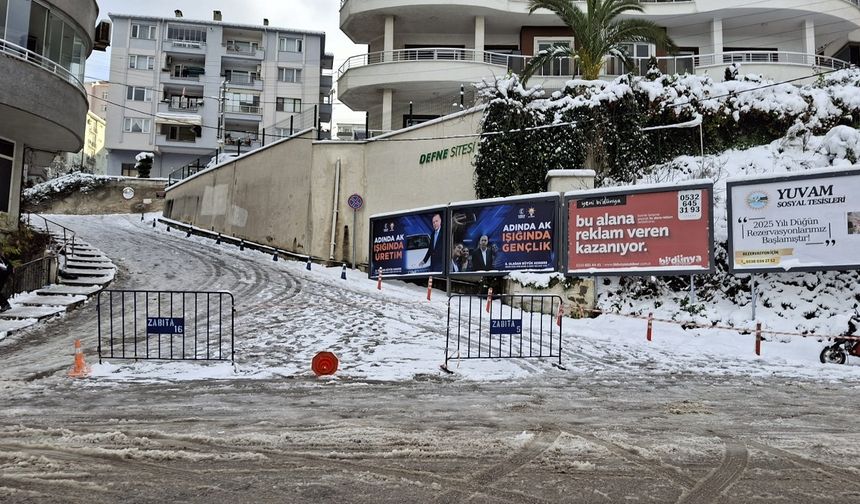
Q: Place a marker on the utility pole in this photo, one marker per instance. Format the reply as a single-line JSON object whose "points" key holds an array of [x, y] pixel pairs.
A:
{"points": [[222, 107]]}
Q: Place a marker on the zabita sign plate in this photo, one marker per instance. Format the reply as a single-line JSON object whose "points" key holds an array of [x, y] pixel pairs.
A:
{"points": [[640, 230], [807, 222]]}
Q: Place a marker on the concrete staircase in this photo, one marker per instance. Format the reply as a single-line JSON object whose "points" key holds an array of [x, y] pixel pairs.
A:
{"points": [[84, 271]]}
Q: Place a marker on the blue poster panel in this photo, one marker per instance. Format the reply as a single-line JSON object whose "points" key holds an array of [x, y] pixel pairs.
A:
{"points": [[409, 244], [498, 236]]}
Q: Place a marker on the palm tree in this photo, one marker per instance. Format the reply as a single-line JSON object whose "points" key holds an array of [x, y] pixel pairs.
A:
{"points": [[597, 32]]}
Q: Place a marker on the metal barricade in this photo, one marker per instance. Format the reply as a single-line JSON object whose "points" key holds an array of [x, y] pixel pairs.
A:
{"points": [[165, 325], [524, 326]]}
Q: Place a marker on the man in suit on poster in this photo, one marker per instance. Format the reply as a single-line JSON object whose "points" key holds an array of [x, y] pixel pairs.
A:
{"points": [[484, 256], [436, 252]]}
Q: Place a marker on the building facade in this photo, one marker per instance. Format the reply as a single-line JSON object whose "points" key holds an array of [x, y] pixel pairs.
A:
{"points": [[43, 104], [420, 52], [184, 89], [98, 93], [93, 157]]}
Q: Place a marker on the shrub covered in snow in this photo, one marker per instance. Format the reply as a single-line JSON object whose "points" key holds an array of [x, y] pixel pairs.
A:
{"points": [[63, 186], [144, 164], [608, 119]]}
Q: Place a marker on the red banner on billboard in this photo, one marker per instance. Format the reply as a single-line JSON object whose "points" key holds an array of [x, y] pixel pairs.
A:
{"points": [[653, 230]]}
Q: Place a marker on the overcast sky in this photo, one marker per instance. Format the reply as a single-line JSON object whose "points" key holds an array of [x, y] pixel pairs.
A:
{"points": [[315, 15]]}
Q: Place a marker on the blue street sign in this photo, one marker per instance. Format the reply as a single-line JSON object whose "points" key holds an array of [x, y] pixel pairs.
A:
{"points": [[355, 202], [506, 326], [165, 325]]}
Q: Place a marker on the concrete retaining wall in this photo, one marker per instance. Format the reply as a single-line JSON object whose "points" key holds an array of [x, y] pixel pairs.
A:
{"points": [[107, 199], [284, 194]]}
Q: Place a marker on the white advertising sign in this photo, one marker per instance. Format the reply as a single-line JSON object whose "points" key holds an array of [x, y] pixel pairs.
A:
{"points": [[805, 222]]}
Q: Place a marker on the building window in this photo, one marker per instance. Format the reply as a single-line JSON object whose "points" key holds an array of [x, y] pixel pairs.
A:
{"points": [[288, 104], [289, 75], [138, 94], [7, 159], [241, 76], [128, 170], [143, 31], [105, 95], [242, 102], [186, 33], [290, 44], [180, 133], [136, 125], [557, 67], [242, 46], [140, 62]]}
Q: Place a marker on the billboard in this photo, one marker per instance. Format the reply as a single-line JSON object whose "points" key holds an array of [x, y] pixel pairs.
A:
{"points": [[493, 237], [408, 244], [807, 222], [653, 230]]}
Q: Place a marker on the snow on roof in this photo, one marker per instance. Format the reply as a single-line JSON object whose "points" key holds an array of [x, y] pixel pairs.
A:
{"points": [[571, 173], [814, 171]]}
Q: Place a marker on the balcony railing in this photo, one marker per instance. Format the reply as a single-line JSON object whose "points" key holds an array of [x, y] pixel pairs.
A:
{"points": [[243, 109], [186, 44], [15, 51], [566, 67], [238, 50]]}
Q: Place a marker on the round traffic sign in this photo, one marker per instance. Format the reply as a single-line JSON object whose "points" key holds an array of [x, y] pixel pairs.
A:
{"points": [[355, 201], [128, 193], [324, 363]]}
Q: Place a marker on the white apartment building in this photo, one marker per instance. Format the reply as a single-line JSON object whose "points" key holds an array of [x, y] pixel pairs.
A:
{"points": [[183, 88], [420, 52]]}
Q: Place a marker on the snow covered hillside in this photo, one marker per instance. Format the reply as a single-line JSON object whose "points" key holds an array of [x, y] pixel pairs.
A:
{"points": [[825, 303]]}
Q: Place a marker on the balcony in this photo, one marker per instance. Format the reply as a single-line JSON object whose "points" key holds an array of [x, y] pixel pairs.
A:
{"points": [[244, 51], [243, 112], [414, 71], [419, 70], [186, 80], [245, 83], [54, 118], [176, 104]]}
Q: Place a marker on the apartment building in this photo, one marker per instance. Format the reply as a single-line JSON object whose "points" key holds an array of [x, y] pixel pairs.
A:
{"points": [[421, 51], [43, 104], [183, 88], [98, 94]]}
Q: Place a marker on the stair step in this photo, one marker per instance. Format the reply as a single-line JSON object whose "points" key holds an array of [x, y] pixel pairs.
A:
{"points": [[89, 265], [99, 280], [68, 290], [31, 312], [37, 300], [11, 325], [89, 272]]}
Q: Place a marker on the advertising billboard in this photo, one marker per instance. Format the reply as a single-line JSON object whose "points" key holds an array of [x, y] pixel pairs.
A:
{"points": [[652, 230], [807, 222], [408, 244], [493, 237]]}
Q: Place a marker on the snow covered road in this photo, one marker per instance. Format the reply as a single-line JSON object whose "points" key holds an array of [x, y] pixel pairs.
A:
{"points": [[692, 417]]}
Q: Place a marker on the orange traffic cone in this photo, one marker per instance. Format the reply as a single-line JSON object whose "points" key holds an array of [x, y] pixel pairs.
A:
{"points": [[80, 369]]}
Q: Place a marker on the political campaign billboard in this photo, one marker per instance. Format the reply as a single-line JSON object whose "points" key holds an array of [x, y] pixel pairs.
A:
{"points": [[493, 237], [408, 244], [803, 222], [640, 230]]}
